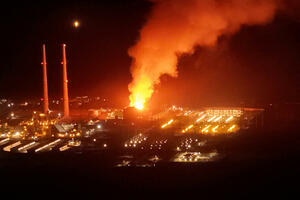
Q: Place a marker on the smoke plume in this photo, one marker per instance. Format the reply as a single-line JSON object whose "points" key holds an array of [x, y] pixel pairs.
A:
{"points": [[176, 27]]}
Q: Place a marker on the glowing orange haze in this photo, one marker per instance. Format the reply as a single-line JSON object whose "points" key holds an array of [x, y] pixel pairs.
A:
{"points": [[177, 26]]}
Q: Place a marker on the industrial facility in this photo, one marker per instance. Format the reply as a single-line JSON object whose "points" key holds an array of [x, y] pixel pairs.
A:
{"points": [[183, 133]]}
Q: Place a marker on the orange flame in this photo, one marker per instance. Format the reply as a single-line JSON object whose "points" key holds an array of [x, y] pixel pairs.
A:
{"points": [[141, 91], [176, 27]]}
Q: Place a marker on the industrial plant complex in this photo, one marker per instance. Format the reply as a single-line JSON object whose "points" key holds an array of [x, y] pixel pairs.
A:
{"points": [[172, 133], [150, 99]]}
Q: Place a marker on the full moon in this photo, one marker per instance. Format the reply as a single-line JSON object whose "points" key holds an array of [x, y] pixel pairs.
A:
{"points": [[76, 24]]}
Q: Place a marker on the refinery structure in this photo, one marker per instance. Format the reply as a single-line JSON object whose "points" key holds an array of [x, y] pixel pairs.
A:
{"points": [[184, 132], [150, 98]]}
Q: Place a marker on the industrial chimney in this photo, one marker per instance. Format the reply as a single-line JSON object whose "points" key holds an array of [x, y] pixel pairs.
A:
{"points": [[65, 84], [44, 63]]}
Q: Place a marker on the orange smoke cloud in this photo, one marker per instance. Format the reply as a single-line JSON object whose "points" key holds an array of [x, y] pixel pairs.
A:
{"points": [[176, 27]]}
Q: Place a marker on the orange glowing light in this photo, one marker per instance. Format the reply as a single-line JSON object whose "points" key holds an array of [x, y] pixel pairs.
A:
{"points": [[139, 105], [205, 129], [141, 91], [211, 118], [76, 24], [188, 128], [218, 118], [168, 123], [229, 119], [231, 128], [202, 117], [215, 129]]}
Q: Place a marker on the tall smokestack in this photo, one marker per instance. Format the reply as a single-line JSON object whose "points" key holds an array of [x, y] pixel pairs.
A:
{"points": [[44, 63], [65, 84]]}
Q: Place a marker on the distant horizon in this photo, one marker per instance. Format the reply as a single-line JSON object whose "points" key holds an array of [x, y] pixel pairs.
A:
{"points": [[257, 64]]}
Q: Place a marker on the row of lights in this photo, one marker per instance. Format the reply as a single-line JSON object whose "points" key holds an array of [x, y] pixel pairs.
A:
{"points": [[158, 144], [188, 143], [136, 140], [195, 156]]}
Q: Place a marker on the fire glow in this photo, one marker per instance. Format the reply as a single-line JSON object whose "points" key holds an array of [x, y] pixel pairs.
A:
{"points": [[168, 123], [176, 27], [140, 93]]}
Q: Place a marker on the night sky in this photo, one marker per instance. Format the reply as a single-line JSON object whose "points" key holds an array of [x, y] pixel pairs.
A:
{"points": [[259, 64]]}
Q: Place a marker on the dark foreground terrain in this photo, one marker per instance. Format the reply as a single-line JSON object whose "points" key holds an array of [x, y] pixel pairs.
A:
{"points": [[256, 164]]}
